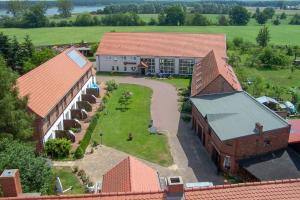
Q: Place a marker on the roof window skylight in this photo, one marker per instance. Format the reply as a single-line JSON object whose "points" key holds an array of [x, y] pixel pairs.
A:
{"points": [[75, 57]]}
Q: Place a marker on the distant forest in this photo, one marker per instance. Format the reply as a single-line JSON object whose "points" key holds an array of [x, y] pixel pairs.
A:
{"points": [[251, 3]]}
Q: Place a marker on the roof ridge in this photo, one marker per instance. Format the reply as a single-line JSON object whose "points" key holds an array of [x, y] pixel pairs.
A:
{"points": [[284, 181]]}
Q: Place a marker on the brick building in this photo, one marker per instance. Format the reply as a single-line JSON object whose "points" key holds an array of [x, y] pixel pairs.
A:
{"points": [[59, 93], [231, 124], [152, 53]]}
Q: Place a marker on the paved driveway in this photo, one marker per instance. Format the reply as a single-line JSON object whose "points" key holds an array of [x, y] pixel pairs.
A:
{"points": [[190, 158]]}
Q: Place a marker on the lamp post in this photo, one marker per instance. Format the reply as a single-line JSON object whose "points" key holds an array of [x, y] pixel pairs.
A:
{"points": [[101, 134]]}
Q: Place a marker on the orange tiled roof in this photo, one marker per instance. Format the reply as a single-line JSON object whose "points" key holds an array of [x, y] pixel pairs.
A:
{"points": [[161, 44], [269, 190], [208, 69], [131, 175], [47, 84]]}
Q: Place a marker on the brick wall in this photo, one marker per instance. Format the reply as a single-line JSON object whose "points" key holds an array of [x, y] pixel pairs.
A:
{"points": [[240, 148], [219, 85]]}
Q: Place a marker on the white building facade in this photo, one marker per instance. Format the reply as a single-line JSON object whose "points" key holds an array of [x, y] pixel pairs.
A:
{"points": [[146, 64]]}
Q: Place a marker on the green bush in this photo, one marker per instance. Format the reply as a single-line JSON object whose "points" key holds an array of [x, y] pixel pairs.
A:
{"points": [[111, 85], [88, 135], [186, 118], [105, 99], [58, 148], [186, 107], [271, 57], [79, 153]]}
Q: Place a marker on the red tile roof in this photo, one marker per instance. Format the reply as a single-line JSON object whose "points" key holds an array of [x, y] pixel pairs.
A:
{"points": [[208, 69], [270, 190], [295, 131], [131, 175], [161, 44], [47, 84]]}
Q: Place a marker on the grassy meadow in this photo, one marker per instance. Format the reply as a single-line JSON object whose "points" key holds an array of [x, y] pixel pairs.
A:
{"points": [[281, 35]]}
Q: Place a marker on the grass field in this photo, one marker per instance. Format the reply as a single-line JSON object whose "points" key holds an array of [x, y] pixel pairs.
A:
{"points": [[117, 124], [282, 35], [68, 179]]}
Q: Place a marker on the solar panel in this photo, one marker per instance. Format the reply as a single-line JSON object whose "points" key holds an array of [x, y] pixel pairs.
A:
{"points": [[79, 60]]}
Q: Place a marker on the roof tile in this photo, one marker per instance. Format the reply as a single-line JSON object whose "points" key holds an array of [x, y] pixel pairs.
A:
{"points": [[47, 84], [161, 44]]}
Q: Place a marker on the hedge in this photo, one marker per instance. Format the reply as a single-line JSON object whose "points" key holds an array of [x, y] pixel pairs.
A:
{"points": [[88, 135]]}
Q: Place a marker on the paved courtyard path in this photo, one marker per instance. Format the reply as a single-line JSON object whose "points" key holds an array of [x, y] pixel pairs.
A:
{"points": [[191, 160]]}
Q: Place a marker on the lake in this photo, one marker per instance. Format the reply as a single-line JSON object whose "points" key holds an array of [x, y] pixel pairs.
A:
{"points": [[77, 9]]}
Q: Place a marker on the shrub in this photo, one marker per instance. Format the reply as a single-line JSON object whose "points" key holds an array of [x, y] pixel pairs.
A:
{"points": [[186, 107], [237, 41], [186, 118], [105, 99], [87, 137], [112, 85], [271, 57], [58, 148], [78, 153]]}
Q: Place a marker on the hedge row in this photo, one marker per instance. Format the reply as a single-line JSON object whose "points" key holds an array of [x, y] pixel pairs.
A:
{"points": [[79, 153]]}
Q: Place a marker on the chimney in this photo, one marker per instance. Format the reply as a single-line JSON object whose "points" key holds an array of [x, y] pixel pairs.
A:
{"points": [[259, 128], [10, 183], [175, 189]]}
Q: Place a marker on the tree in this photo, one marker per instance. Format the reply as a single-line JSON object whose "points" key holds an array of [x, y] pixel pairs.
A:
{"points": [[65, 8], [84, 19], [38, 58], [239, 15], [295, 20], [263, 37], [269, 12], [223, 21], [5, 45], [16, 7], [276, 22], [161, 18], [175, 15], [261, 18], [200, 20], [283, 15], [28, 47], [36, 174], [14, 118], [271, 57], [35, 16]]}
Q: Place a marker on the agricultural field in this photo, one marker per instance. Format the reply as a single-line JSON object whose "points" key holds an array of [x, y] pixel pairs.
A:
{"points": [[281, 35]]}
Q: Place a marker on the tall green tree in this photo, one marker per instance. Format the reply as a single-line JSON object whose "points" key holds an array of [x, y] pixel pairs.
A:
{"points": [[28, 46], [269, 12], [16, 7], [35, 16], [200, 20], [261, 18], [65, 8], [5, 45], [175, 15], [263, 37], [239, 15], [14, 119]]}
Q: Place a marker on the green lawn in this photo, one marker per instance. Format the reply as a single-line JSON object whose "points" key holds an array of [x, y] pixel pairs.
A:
{"points": [[283, 34], [68, 179], [117, 124], [283, 77]]}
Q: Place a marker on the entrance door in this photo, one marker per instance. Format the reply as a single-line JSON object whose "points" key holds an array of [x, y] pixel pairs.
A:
{"points": [[215, 156], [142, 71], [199, 132]]}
